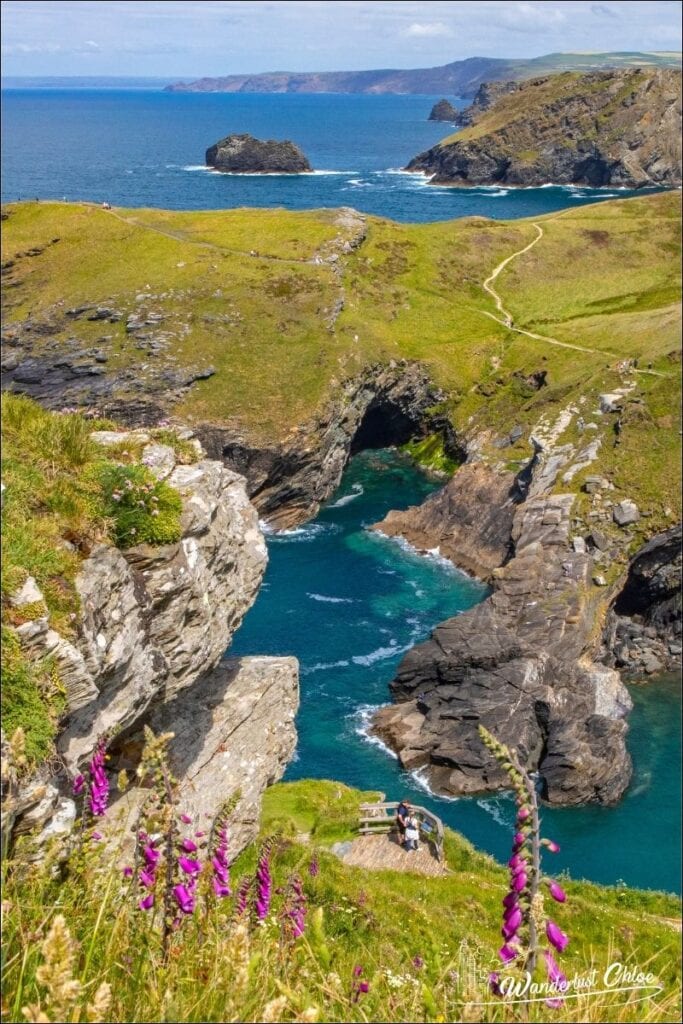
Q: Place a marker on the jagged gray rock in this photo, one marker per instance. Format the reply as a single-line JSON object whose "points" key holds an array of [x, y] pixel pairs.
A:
{"points": [[469, 520], [517, 664], [244, 154]]}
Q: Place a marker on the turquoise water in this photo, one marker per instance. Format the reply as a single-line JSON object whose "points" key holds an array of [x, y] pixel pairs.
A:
{"points": [[146, 148], [348, 603]]}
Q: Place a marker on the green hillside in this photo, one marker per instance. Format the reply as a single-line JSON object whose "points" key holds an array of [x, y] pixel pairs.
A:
{"points": [[379, 945], [284, 308]]}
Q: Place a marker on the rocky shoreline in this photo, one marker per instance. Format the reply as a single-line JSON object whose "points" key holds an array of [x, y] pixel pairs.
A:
{"points": [[618, 128]]}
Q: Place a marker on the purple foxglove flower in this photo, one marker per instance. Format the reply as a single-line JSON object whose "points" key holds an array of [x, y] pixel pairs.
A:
{"points": [[507, 953], [264, 886], [79, 783], [357, 971], [557, 892], [521, 866], [147, 903], [494, 983], [552, 846], [96, 836], [508, 933], [514, 861], [364, 986], [220, 888], [519, 839], [513, 918], [127, 872], [313, 867], [184, 898], [146, 878], [523, 813], [190, 867], [198, 835], [556, 936], [555, 975], [189, 846], [510, 900], [519, 882], [151, 855], [186, 819]]}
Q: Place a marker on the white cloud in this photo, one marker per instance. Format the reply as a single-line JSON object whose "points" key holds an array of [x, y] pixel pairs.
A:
{"points": [[427, 30], [531, 17]]}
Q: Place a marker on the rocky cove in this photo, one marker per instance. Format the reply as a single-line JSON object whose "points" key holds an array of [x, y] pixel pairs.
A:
{"points": [[536, 661]]}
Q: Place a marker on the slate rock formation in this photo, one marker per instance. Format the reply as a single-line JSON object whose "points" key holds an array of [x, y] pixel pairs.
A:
{"points": [[243, 154]]}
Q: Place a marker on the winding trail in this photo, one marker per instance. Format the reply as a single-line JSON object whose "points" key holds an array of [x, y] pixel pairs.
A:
{"points": [[505, 319]]}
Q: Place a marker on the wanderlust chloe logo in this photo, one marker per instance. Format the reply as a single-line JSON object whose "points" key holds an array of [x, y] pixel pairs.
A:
{"points": [[617, 977]]}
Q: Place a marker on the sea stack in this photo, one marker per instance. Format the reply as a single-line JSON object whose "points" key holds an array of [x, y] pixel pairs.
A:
{"points": [[443, 111], [243, 154]]}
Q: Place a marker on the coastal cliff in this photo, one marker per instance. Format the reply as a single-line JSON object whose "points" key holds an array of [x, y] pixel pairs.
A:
{"points": [[144, 647], [618, 128]]}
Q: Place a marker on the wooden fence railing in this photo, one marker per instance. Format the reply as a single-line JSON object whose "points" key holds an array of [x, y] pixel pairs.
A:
{"points": [[375, 819]]}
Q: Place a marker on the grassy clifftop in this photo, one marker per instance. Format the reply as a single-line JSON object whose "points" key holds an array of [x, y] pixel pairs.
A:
{"points": [[376, 945], [283, 307]]}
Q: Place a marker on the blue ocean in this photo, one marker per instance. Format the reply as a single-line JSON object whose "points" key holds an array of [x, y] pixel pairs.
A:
{"points": [[345, 601], [145, 148]]}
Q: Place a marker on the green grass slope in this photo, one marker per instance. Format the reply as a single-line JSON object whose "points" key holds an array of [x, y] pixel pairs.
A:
{"points": [[255, 294], [422, 947]]}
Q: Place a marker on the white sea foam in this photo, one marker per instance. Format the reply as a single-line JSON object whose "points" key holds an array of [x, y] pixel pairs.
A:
{"points": [[381, 654], [305, 533], [419, 777], [322, 666], [357, 490], [496, 810], [330, 600], [194, 167], [362, 717]]}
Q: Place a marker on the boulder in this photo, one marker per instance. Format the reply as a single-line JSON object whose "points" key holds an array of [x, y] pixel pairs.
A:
{"points": [[243, 154], [625, 513]]}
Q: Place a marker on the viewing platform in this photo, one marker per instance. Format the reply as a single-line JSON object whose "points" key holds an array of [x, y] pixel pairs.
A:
{"points": [[378, 846]]}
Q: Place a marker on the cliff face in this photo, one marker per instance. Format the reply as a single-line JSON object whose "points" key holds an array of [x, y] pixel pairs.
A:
{"points": [[469, 520], [518, 664], [153, 625], [607, 128], [386, 405]]}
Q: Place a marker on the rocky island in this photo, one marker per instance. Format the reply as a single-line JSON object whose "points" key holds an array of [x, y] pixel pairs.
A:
{"points": [[616, 128], [243, 154], [443, 111]]}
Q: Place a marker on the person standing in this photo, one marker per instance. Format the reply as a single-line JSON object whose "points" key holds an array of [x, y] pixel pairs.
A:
{"points": [[402, 815]]}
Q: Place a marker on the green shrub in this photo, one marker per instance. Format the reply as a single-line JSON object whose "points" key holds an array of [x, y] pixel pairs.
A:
{"points": [[143, 510], [31, 698]]}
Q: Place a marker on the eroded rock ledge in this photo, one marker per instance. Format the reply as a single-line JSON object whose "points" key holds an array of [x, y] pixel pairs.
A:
{"points": [[518, 664], [153, 626], [469, 520]]}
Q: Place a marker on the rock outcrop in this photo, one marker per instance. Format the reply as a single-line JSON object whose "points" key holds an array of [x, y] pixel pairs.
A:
{"points": [[517, 664], [234, 733], [469, 520], [243, 154], [443, 111], [606, 128], [643, 631], [153, 625], [384, 406]]}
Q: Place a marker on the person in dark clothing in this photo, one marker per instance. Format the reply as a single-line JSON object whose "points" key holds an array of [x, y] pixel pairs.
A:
{"points": [[402, 815]]}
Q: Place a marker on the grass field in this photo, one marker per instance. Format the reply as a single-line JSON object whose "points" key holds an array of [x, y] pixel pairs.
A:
{"points": [[253, 294]]}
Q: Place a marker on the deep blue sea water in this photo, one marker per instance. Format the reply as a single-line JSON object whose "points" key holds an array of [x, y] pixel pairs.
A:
{"points": [[348, 603], [144, 148]]}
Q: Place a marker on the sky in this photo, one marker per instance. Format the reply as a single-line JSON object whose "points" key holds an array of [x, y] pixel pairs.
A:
{"points": [[191, 38]]}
